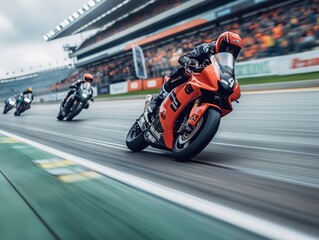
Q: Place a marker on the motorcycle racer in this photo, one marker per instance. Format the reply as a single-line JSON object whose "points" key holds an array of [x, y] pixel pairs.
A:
{"points": [[28, 91], [195, 61], [87, 77]]}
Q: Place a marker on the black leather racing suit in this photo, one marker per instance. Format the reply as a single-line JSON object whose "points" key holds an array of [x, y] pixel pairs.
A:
{"points": [[73, 88], [179, 76]]}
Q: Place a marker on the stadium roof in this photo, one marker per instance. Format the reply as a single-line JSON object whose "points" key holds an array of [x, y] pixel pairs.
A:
{"points": [[95, 14]]}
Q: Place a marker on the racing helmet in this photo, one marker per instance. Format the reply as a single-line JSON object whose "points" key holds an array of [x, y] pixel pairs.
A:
{"points": [[88, 77], [29, 89], [229, 42]]}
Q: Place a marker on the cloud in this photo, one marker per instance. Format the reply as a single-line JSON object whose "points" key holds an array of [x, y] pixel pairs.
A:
{"points": [[23, 23], [6, 27]]}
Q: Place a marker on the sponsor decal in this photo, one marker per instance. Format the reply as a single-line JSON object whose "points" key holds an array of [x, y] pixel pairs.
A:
{"points": [[194, 117], [249, 69], [300, 63], [175, 103], [205, 47], [151, 83], [189, 89], [134, 85], [236, 41], [150, 137], [155, 133]]}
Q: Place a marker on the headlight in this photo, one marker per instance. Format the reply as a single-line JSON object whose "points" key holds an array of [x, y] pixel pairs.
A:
{"points": [[84, 95], [12, 102], [27, 100]]}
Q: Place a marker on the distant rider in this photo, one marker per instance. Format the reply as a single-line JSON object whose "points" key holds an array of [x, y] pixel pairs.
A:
{"points": [[27, 92], [195, 60], [87, 77]]}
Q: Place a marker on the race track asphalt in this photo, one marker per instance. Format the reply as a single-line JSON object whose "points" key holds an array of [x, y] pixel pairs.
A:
{"points": [[264, 160]]}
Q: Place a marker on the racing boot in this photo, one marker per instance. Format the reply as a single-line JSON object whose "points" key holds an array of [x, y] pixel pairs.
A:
{"points": [[157, 101], [152, 105]]}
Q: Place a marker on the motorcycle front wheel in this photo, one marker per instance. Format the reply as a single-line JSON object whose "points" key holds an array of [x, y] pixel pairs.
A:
{"points": [[135, 139], [188, 144], [75, 111], [5, 110]]}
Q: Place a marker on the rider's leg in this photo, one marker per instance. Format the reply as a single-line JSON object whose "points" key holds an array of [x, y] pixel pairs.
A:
{"points": [[66, 97], [177, 77]]}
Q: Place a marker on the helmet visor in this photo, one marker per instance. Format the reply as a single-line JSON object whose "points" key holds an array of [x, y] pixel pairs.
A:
{"points": [[88, 79], [227, 47]]}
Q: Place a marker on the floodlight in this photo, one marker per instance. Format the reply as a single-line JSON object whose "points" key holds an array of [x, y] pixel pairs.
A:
{"points": [[62, 24], [71, 18], [66, 22], [81, 11], [51, 32], [75, 15], [58, 28], [86, 7], [45, 37], [91, 3]]}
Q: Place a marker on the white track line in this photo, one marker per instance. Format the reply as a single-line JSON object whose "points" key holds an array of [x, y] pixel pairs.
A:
{"points": [[157, 151], [265, 148], [242, 220], [292, 90]]}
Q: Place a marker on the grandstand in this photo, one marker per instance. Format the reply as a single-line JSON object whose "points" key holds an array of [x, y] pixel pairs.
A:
{"points": [[39, 81], [166, 29]]}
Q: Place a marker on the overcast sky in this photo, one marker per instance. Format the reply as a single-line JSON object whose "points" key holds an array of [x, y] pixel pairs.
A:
{"points": [[23, 23]]}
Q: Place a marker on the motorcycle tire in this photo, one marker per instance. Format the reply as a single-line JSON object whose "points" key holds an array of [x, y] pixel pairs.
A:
{"points": [[185, 149], [74, 112], [135, 139], [60, 116]]}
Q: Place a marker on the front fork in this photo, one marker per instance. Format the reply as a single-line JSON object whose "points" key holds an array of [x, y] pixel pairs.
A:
{"points": [[196, 112]]}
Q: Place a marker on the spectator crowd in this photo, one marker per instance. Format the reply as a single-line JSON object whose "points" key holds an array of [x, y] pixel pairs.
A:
{"points": [[284, 30]]}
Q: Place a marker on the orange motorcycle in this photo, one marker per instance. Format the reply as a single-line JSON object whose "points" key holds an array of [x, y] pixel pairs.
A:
{"points": [[189, 116]]}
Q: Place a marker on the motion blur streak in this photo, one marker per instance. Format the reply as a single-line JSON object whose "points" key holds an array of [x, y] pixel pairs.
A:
{"points": [[240, 219], [263, 161]]}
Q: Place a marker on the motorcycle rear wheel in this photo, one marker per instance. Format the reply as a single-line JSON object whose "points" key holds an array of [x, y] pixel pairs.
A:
{"points": [[188, 145], [135, 139]]}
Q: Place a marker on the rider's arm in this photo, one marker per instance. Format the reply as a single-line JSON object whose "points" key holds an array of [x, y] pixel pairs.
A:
{"points": [[204, 48], [76, 84], [92, 97]]}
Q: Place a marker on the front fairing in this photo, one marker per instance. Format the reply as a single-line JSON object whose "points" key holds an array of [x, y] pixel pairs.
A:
{"points": [[27, 98], [85, 92], [225, 63], [12, 101], [224, 86]]}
